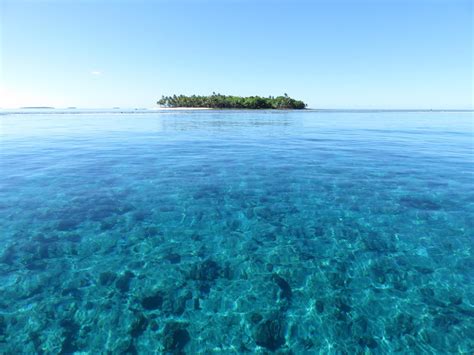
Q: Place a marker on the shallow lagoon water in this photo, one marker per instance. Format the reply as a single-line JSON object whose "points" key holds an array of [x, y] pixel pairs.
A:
{"points": [[237, 232]]}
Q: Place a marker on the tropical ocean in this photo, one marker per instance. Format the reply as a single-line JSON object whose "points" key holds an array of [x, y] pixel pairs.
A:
{"points": [[237, 232]]}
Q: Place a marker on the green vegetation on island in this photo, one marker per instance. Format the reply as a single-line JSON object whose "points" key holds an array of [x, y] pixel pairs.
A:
{"points": [[232, 102]]}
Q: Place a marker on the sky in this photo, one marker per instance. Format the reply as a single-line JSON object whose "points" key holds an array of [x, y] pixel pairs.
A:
{"points": [[385, 54]]}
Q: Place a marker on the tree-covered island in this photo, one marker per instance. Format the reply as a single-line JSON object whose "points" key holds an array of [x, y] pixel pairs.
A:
{"points": [[219, 101]]}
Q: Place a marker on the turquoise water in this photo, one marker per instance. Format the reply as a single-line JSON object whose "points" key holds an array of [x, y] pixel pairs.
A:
{"points": [[237, 232]]}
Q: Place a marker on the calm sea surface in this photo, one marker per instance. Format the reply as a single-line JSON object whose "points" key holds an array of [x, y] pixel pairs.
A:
{"points": [[237, 232]]}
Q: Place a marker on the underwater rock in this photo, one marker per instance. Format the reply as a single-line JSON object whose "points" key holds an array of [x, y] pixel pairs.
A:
{"points": [[319, 304], [318, 231], [68, 224], [107, 277], [70, 332], [173, 258], [305, 256], [37, 265], [445, 321], [31, 290], [175, 337], [138, 326], [227, 271], [71, 291], [307, 343], [123, 345], [360, 325], [196, 237], [422, 264], [467, 311], [399, 282], [285, 289], [154, 325], [349, 233], [268, 237], [256, 318], [153, 302], [455, 300], [427, 292], [175, 306], [132, 349], [377, 243], [207, 192], [383, 269], [137, 265], [33, 255], [420, 203], [204, 288], [368, 342], [339, 280], [208, 270], [8, 256], [107, 224], [342, 311], [266, 213], [343, 306], [46, 239], [424, 270], [169, 303], [140, 216], [270, 334], [100, 214], [234, 225], [150, 231], [123, 282], [43, 251], [3, 327], [403, 324], [74, 238], [169, 208], [175, 303]]}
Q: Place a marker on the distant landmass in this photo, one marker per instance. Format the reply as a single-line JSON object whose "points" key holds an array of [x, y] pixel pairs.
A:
{"points": [[36, 107], [219, 101]]}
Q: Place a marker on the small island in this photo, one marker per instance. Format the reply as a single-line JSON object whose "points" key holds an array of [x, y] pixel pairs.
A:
{"points": [[218, 101]]}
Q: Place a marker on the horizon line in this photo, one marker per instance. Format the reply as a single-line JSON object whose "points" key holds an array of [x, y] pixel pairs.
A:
{"points": [[73, 108]]}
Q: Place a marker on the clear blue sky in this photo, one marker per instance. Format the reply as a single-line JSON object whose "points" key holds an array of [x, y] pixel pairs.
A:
{"points": [[331, 54]]}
